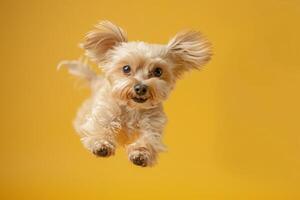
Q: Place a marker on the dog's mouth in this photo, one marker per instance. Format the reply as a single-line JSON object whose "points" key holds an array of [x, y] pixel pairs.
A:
{"points": [[139, 99]]}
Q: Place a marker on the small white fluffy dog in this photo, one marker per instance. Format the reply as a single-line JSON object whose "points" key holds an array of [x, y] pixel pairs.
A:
{"points": [[125, 107]]}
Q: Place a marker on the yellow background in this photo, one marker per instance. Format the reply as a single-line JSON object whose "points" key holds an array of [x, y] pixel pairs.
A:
{"points": [[233, 131]]}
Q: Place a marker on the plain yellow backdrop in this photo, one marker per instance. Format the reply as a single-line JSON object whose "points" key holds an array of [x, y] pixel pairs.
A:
{"points": [[234, 128]]}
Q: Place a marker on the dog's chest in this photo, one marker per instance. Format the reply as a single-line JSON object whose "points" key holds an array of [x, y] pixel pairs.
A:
{"points": [[130, 126], [131, 120]]}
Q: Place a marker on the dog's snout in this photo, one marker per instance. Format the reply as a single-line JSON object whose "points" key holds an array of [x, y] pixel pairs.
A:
{"points": [[140, 89]]}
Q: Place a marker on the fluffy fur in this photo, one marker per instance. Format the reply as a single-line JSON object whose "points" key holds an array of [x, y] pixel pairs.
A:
{"points": [[116, 114]]}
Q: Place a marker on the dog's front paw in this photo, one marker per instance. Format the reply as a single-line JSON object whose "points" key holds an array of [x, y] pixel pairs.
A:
{"points": [[103, 149], [140, 157]]}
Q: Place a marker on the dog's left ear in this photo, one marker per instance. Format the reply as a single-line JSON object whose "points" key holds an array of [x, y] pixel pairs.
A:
{"points": [[104, 37], [188, 50]]}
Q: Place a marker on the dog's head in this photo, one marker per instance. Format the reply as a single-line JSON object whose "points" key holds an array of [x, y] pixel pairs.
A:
{"points": [[141, 74]]}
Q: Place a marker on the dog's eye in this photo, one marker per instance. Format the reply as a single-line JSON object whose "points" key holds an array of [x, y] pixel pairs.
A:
{"points": [[126, 69], [157, 72]]}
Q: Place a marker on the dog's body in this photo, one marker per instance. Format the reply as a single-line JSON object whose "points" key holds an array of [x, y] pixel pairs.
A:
{"points": [[126, 103]]}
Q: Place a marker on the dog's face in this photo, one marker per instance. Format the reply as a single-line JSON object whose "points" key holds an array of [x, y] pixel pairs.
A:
{"points": [[142, 75]]}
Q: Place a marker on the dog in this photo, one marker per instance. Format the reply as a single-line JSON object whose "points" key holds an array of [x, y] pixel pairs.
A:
{"points": [[125, 107]]}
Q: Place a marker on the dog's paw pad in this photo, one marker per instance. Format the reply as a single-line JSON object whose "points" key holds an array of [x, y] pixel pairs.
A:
{"points": [[104, 149], [103, 152], [140, 158]]}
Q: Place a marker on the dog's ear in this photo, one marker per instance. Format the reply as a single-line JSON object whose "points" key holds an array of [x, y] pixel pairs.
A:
{"points": [[188, 50], [104, 37]]}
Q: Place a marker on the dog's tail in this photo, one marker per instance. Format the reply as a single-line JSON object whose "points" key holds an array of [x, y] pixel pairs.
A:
{"points": [[79, 68]]}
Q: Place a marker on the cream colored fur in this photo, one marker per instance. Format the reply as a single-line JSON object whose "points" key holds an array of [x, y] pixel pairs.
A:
{"points": [[111, 117]]}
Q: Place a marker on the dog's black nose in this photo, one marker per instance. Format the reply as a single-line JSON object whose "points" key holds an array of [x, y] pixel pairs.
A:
{"points": [[140, 89]]}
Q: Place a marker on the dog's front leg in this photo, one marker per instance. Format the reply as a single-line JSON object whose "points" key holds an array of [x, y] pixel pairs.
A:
{"points": [[145, 149], [98, 128]]}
